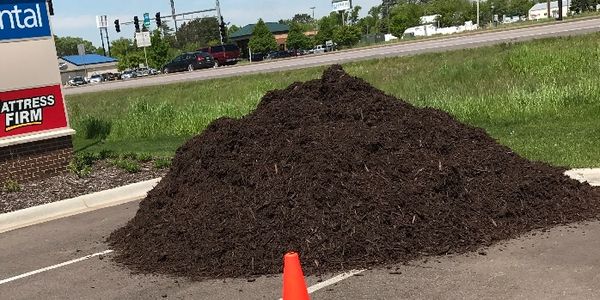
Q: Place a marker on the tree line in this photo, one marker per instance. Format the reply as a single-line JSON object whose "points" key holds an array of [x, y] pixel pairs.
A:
{"points": [[343, 28], [166, 44]]}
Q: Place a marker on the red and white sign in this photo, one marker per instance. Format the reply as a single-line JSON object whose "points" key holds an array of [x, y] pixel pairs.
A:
{"points": [[31, 110]]}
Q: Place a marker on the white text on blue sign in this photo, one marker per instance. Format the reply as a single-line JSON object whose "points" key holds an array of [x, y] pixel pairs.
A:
{"points": [[22, 19]]}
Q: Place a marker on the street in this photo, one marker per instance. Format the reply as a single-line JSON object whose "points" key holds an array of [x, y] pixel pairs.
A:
{"points": [[561, 263], [402, 49]]}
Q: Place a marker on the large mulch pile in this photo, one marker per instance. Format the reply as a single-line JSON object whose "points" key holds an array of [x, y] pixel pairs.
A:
{"points": [[347, 176]]}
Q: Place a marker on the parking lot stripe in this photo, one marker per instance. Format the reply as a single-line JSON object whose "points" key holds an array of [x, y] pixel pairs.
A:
{"points": [[7, 280], [332, 281]]}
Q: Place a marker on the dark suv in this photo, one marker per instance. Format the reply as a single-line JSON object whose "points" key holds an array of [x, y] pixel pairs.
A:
{"points": [[224, 55], [189, 61]]}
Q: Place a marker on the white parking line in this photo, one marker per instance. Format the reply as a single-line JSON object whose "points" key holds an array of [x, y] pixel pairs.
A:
{"points": [[7, 280], [332, 281], [311, 289]]}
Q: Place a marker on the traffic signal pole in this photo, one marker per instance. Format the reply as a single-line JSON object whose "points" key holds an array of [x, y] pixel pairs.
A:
{"points": [[166, 17], [173, 14]]}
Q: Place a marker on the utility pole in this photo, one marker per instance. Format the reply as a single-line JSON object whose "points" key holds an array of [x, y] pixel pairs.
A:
{"points": [[560, 10], [220, 20], [173, 14], [477, 14], [549, 11]]}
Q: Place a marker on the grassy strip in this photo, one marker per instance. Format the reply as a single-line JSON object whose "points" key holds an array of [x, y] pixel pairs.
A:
{"points": [[539, 98]]}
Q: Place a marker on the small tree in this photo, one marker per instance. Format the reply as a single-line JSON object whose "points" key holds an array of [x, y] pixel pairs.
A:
{"points": [[68, 45], [346, 35], [120, 47], [158, 53], [302, 18], [198, 32], [131, 60], [520, 7], [262, 40], [296, 38], [583, 5], [233, 29], [405, 16], [327, 26], [456, 12]]}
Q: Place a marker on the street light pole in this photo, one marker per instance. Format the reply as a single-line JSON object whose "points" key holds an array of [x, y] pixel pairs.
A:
{"points": [[107, 40], [102, 39]]}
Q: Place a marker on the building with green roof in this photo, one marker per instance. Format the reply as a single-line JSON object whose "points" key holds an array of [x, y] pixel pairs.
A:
{"points": [[242, 36]]}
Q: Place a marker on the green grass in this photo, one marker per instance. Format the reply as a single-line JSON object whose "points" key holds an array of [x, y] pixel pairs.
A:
{"points": [[540, 98]]}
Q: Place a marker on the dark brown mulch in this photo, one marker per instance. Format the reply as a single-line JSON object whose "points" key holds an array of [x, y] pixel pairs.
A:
{"points": [[103, 177], [347, 176]]}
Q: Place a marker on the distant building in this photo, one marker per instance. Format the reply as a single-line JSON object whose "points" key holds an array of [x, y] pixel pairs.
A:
{"points": [[431, 19], [85, 65], [242, 36], [540, 10], [430, 29]]}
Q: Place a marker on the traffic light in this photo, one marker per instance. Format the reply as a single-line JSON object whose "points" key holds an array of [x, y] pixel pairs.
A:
{"points": [[50, 7], [158, 20], [223, 29], [117, 25], [136, 23]]}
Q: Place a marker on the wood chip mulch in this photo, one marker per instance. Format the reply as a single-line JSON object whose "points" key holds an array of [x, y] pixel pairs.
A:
{"points": [[103, 177]]}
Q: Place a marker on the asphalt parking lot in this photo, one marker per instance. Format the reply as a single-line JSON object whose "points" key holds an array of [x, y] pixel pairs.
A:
{"points": [[562, 263]]}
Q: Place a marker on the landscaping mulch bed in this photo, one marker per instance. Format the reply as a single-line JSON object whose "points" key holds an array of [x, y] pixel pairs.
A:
{"points": [[103, 177], [348, 177]]}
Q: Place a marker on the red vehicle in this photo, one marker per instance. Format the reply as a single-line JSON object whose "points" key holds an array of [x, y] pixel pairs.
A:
{"points": [[224, 55]]}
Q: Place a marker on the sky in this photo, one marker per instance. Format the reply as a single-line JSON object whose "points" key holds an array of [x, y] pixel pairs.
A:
{"points": [[78, 17]]}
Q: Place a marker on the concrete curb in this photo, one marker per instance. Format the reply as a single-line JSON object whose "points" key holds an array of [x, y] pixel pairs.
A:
{"points": [[56, 210], [591, 176]]}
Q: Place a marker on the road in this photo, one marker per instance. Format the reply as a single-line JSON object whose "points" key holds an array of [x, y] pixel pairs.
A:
{"points": [[401, 49], [560, 264]]}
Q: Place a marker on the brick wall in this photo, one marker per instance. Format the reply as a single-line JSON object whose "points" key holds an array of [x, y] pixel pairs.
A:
{"points": [[36, 160]]}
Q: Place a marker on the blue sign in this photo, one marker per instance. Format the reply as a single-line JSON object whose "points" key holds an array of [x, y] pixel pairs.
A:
{"points": [[23, 19], [147, 20]]}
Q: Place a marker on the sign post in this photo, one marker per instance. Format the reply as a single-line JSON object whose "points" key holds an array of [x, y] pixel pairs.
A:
{"points": [[341, 5], [35, 138], [143, 40]]}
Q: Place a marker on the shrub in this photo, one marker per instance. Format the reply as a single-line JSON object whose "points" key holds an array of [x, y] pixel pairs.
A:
{"points": [[143, 157], [162, 163], [129, 155], [81, 164], [104, 154], [128, 165], [11, 186]]}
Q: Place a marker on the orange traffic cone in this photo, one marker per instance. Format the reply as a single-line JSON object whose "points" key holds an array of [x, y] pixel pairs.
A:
{"points": [[294, 287]]}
